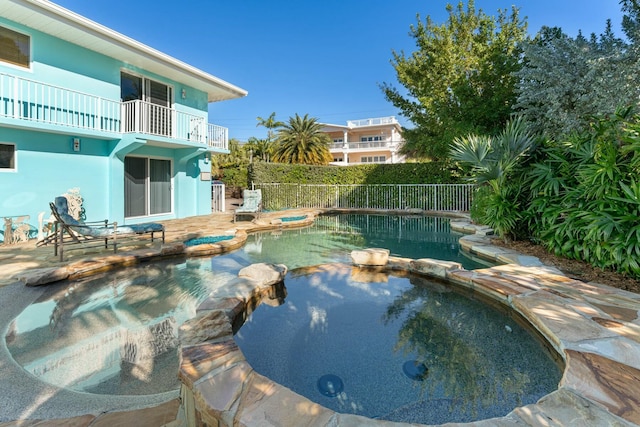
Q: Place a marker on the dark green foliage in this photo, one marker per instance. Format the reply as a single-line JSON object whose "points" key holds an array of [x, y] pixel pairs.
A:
{"points": [[234, 176], [402, 173], [585, 195], [497, 162], [480, 203]]}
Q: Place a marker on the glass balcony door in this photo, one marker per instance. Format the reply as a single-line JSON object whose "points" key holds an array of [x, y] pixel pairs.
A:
{"points": [[147, 186], [153, 114]]}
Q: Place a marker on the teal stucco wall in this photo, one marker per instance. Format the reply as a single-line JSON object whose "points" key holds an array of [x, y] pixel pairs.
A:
{"points": [[47, 165]]}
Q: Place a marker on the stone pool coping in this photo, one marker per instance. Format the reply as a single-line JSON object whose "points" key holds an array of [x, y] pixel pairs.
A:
{"points": [[594, 328]]}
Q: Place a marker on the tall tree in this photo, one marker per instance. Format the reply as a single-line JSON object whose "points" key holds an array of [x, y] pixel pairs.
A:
{"points": [[271, 124], [459, 80], [260, 149], [302, 141], [566, 81]]}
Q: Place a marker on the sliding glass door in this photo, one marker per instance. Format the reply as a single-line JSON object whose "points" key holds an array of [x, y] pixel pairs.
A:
{"points": [[147, 186]]}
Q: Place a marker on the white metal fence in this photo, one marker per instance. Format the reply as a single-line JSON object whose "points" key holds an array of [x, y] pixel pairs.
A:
{"points": [[432, 197], [217, 197]]}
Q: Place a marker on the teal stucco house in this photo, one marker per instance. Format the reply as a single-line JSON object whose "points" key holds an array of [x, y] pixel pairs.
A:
{"points": [[82, 106]]}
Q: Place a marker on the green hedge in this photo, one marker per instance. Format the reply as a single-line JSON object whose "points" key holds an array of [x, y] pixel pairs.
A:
{"points": [[400, 173], [234, 176]]}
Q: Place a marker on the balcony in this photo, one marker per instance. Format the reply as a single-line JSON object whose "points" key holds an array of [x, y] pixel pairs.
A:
{"points": [[389, 145], [31, 101], [372, 122]]}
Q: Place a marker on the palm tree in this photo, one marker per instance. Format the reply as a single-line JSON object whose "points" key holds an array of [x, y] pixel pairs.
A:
{"points": [[302, 141], [494, 159], [271, 124], [261, 149], [495, 162]]}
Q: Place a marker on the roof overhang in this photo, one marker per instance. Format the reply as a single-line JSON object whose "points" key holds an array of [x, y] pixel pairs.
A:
{"points": [[64, 24]]}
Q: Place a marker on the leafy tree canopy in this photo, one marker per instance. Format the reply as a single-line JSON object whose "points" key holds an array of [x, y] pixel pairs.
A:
{"points": [[459, 80], [566, 81]]}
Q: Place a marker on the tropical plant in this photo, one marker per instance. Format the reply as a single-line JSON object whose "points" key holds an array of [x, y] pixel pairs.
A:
{"points": [[497, 163], [459, 80], [301, 140], [585, 195], [259, 149], [271, 124]]}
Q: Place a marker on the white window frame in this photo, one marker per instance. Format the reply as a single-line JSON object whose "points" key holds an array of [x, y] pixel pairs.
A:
{"points": [[15, 159], [372, 138], [18, 66], [373, 159]]}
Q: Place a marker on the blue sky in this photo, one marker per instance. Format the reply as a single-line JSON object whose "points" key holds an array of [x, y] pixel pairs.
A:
{"points": [[321, 57]]}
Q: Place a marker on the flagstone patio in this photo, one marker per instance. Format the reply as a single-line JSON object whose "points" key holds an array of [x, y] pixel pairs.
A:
{"points": [[593, 328]]}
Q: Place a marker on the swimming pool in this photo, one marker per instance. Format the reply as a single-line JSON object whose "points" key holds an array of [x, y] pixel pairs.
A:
{"points": [[117, 333], [396, 348]]}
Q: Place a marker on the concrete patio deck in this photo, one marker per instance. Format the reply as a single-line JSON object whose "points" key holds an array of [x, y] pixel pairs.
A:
{"points": [[595, 329]]}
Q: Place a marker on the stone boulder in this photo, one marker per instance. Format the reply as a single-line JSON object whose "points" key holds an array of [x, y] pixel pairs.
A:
{"points": [[371, 257], [264, 274]]}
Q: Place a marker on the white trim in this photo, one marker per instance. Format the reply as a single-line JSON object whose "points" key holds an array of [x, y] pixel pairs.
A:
{"points": [[15, 158], [64, 24]]}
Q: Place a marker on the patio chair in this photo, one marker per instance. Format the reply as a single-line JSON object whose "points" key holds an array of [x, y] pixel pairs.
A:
{"points": [[251, 205], [89, 233]]}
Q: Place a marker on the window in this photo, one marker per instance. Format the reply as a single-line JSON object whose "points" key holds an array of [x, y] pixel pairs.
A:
{"points": [[7, 157], [147, 186], [373, 159], [337, 140], [15, 48], [372, 138]]}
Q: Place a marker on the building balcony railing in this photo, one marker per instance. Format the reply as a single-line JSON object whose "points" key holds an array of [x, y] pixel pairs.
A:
{"points": [[37, 102], [372, 122], [363, 145]]}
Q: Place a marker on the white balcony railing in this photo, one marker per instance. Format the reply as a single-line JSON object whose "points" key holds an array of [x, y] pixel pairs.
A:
{"points": [[363, 145], [28, 100], [372, 122]]}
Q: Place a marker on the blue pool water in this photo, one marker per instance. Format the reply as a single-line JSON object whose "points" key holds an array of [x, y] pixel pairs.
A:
{"points": [[405, 349], [117, 333]]}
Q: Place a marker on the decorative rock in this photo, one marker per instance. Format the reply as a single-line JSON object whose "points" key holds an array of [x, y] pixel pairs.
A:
{"points": [[263, 273], [372, 257], [175, 248], [434, 267], [205, 327], [231, 306], [43, 276], [199, 360]]}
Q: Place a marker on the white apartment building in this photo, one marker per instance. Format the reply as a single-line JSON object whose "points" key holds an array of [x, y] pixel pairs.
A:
{"points": [[366, 141]]}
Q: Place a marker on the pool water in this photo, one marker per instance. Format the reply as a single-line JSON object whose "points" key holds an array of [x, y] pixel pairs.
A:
{"points": [[404, 349], [117, 333]]}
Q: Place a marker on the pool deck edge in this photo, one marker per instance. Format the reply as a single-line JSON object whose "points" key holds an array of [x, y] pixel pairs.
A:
{"points": [[593, 327]]}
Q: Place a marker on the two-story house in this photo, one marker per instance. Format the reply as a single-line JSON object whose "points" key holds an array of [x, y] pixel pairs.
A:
{"points": [[83, 106], [366, 141]]}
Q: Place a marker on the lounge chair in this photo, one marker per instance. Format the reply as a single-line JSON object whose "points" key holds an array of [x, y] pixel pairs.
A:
{"points": [[251, 205], [86, 233]]}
